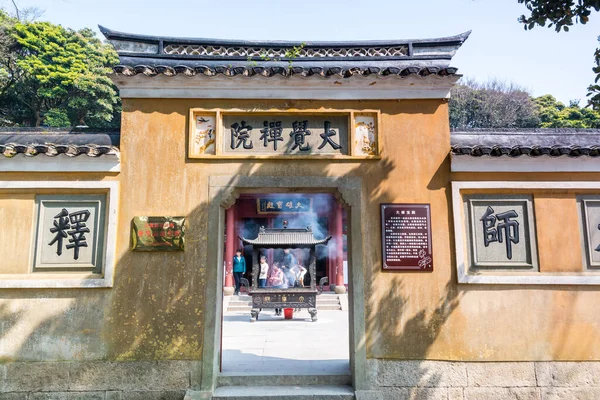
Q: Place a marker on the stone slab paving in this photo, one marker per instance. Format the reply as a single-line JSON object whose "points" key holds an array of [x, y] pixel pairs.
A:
{"points": [[274, 345]]}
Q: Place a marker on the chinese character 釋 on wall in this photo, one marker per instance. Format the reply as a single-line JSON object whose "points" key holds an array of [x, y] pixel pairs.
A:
{"points": [[502, 231], [69, 232]]}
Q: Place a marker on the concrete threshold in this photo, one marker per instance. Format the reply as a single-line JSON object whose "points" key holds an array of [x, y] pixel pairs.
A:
{"points": [[325, 392], [262, 379]]}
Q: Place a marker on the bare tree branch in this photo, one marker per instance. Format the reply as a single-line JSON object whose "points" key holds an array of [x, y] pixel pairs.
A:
{"points": [[16, 9]]}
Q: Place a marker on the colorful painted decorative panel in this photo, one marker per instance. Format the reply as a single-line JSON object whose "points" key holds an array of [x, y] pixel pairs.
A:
{"points": [[202, 141], [365, 137]]}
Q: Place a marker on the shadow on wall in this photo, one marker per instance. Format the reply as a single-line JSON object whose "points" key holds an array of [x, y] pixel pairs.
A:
{"points": [[155, 311], [414, 330]]}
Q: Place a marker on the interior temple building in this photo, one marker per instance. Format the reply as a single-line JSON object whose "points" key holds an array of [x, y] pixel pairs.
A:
{"points": [[321, 212]]}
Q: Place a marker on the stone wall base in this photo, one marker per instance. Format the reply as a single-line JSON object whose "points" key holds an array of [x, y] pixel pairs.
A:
{"points": [[400, 380], [387, 380], [98, 380]]}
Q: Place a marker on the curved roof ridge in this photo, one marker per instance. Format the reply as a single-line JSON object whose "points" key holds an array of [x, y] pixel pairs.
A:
{"points": [[117, 35], [157, 55]]}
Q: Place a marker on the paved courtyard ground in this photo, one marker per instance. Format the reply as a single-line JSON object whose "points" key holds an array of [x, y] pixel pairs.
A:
{"points": [[273, 345]]}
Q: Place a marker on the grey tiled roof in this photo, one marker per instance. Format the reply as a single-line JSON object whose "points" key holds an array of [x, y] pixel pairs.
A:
{"points": [[286, 237], [269, 71], [153, 55], [528, 142], [52, 142]]}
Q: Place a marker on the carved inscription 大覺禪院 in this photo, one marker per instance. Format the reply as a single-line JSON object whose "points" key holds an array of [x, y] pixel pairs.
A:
{"points": [[285, 134]]}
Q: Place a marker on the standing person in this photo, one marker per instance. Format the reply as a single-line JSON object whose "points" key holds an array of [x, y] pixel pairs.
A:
{"points": [[276, 278], [289, 263], [300, 272], [288, 259], [264, 269], [239, 269]]}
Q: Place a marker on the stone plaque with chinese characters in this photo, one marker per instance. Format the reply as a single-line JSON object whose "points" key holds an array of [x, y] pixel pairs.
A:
{"points": [[406, 237], [158, 233], [69, 232], [590, 214], [502, 231], [276, 134]]}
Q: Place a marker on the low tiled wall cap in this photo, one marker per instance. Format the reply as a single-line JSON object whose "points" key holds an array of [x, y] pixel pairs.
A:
{"points": [[533, 151], [323, 72], [49, 149], [532, 142]]}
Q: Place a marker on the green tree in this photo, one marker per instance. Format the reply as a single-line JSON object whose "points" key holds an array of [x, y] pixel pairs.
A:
{"points": [[59, 74], [561, 14], [554, 114]]}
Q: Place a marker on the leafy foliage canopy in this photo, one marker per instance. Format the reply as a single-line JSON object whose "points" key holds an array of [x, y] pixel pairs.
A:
{"points": [[55, 76]]}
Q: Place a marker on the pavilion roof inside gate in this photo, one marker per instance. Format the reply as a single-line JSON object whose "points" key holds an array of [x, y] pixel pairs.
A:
{"points": [[283, 237], [153, 55]]}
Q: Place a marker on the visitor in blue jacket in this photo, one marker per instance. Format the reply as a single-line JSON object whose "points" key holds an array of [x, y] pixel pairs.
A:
{"points": [[239, 269]]}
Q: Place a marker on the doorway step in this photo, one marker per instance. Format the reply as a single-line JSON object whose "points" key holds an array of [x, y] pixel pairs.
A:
{"points": [[314, 392], [288, 387], [329, 301], [256, 386], [325, 301], [262, 379]]}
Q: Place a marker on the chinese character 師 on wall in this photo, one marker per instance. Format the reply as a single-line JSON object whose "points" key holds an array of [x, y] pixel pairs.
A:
{"points": [[502, 231], [70, 232]]}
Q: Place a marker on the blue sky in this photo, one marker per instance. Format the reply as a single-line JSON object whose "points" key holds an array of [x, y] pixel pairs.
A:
{"points": [[540, 60]]}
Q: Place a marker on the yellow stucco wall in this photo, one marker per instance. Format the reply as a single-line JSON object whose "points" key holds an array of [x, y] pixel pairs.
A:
{"points": [[16, 214], [156, 309]]}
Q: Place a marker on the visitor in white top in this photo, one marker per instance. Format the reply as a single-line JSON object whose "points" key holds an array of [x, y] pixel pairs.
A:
{"points": [[264, 269]]}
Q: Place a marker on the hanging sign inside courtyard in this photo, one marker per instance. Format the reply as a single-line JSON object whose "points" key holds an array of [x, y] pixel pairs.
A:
{"points": [[406, 237], [334, 134], [158, 233], [275, 205]]}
